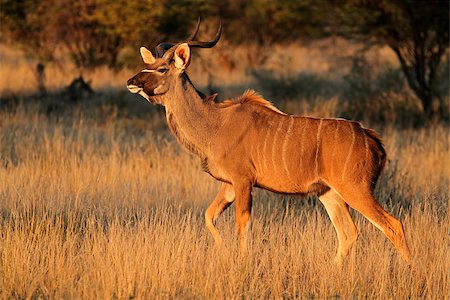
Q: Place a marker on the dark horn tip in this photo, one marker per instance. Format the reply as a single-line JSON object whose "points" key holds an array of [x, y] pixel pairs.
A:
{"points": [[219, 31], [194, 34], [209, 44]]}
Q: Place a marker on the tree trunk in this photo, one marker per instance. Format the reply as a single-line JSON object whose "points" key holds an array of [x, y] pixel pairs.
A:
{"points": [[420, 78]]}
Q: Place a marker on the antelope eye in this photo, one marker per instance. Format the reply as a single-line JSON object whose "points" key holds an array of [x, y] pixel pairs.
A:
{"points": [[162, 70]]}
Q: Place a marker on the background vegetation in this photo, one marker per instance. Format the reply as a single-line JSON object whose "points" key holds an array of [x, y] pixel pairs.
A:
{"points": [[95, 33], [97, 200]]}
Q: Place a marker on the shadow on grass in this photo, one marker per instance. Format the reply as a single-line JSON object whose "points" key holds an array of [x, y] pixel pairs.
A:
{"points": [[101, 104], [380, 99], [376, 98]]}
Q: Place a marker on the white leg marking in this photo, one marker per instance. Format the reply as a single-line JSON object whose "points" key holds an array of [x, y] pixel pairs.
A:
{"points": [[246, 231], [229, 195], [247, 227]]}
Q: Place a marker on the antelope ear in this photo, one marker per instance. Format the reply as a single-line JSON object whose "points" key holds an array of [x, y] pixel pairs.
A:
{"points": [[182, 56], [147, 56]]}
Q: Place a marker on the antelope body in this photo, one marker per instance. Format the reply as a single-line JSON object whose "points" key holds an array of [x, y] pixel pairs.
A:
{"points": [[246, 142]]}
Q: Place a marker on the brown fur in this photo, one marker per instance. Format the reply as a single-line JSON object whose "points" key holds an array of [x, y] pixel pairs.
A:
{"points": [[247, 142], [381, 153], [252, 98]]}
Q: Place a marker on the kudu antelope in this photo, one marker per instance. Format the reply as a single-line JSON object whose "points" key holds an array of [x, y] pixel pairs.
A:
{"points": [[246, 142]]}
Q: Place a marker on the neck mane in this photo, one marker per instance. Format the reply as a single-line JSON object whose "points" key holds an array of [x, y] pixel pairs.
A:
{"points": [[252, 98]]}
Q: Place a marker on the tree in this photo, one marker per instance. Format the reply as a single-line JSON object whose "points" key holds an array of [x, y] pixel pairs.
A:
{"points": [[417, 31], [259, 24], [16, 27], [91, 31]]}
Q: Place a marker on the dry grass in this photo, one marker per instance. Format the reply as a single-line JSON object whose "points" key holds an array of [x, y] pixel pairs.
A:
{"points": [[114, 209], [98, 201]]}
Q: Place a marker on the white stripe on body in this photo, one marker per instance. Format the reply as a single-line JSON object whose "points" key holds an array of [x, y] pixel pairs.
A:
{"points": [[274, 144], [285, 143], [349, 151], [334, 151], [319, 129], [264, 149]]}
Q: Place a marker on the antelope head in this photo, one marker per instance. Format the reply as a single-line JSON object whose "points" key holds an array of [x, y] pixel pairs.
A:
{"points": [[163, 69]]}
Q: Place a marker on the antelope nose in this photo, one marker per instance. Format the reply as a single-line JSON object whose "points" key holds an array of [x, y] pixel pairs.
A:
{"points": [[131, 82]]}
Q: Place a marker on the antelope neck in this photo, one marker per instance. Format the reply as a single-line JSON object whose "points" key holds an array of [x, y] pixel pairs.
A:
{"points": [[193, 121]]}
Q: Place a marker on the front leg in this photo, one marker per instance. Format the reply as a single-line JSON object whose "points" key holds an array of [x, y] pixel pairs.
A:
{"points": [[243, 211], [221, 202]]}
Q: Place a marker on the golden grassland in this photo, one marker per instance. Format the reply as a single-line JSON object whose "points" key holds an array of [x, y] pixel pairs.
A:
{"points": [[114, 209], [99, 203]]}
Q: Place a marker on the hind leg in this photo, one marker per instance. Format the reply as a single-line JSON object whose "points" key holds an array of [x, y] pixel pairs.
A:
{"points": [[362, 200], [339, 215]]}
